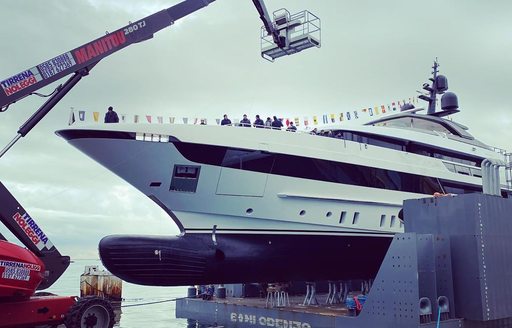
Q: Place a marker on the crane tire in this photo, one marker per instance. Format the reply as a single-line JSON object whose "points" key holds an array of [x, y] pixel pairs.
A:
{"points": [[90, 312]]}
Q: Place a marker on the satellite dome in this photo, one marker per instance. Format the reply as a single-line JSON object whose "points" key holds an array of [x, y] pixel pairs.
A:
{"points": [[449, 101], [441, 83]]}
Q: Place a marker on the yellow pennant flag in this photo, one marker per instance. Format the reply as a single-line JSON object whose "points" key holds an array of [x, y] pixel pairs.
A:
{"points": [[96, 116]]}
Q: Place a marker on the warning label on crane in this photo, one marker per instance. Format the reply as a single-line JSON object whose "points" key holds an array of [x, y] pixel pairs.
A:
{"points": [[21, 81]]}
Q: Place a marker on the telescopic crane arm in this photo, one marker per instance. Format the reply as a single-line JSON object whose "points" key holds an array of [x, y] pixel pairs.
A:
{"points": [[267, 22], [82, 59]]}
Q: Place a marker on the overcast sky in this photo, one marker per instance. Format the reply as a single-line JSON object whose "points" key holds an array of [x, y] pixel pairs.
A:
{"points": [[208, 64]]}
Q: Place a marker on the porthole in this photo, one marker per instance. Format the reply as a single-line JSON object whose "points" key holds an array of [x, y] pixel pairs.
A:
{"points": [[249, 211], [328, 214], [393, 221], [302, 213], [382, 220], [355, 219], [342, 216]]}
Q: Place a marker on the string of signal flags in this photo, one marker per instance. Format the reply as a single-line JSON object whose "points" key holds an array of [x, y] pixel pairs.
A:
{"points": [[83, 116]]}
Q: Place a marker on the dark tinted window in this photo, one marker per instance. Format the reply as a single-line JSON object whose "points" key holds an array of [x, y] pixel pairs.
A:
{"points": [[450, 166], [248, 160], [443, 154], [205, 154], [462, 170], [476, 172], [315, 169], [459, 188], [372, 140]]}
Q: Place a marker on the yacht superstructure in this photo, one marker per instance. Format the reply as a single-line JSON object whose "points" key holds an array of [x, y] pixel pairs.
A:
{"points": [[257, 204]]}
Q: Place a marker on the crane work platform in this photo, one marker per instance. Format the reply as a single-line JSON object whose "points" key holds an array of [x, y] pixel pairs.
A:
{"points": [[298, 32]]}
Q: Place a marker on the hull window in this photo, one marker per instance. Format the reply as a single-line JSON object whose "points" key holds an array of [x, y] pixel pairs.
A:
{"points": [[393, 221], [355, 220], [185, 178], [382, 220], [342, 217]]}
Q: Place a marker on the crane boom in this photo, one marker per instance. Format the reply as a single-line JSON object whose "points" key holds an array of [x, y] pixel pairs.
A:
{"points": [[81, 60], [85, 56]]}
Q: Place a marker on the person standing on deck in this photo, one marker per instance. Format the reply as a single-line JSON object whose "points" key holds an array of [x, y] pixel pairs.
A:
{"points": [[226, 120], [111, 116], [258, 122]]}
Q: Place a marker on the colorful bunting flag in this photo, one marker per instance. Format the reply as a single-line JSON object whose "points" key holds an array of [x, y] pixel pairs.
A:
{"points": [[326, 118]]}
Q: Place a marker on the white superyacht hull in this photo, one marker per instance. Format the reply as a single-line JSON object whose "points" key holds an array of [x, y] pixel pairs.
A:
{"points": [[280, 190]]}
